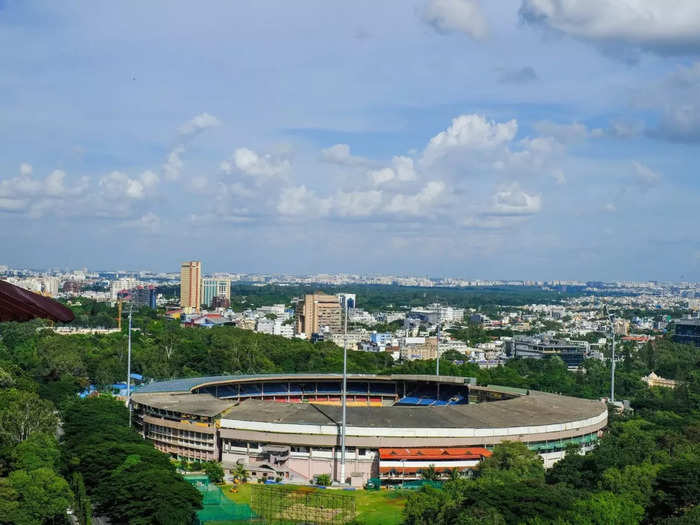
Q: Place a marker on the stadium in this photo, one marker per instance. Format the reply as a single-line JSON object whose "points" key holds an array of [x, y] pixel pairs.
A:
{"points": [[288, 426]]}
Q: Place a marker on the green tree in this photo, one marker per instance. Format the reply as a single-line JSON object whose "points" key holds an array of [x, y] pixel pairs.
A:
{"points": [[82, 504], [429, 473], [677, 487], [512, 460], [39, 450], [240, 473], [214, 471], [604, 508], [23, 413], [42, 496]]}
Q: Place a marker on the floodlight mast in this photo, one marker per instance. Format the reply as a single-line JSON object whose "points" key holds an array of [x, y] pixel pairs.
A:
{"points": [[345, 381], [128, 370], [612, 367]]}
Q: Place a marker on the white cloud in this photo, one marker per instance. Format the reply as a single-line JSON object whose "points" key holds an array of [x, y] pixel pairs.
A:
{"points": [[472, 132], [464, 16], [610, 207], [512, 201], [117, 185], [251, 163], [402, 170], [25, 169], [665, 26], [356, 203], [418, 204], [340, 154], [199, 123], [172, 169], [381, 176], [299, 201]]}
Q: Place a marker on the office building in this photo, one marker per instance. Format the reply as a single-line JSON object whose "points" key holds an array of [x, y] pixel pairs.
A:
{"points": [[190, 285], [318, 313], [572, 353], [212, 288], [686, 331]]}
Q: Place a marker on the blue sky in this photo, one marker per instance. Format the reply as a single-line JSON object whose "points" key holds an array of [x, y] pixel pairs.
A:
{"points": [[536, 139]]}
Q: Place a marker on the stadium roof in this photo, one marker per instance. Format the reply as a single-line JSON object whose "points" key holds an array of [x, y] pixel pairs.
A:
{"points": [[532, 410], [188, 383]]}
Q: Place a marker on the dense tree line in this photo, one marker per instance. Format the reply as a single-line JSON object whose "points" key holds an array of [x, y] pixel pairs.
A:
{"points": [[128, 480]]}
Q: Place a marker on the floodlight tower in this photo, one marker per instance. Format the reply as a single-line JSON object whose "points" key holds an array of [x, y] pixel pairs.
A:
{"points": [[439, 322], [345, 384], [612, 367], [128, 370]]}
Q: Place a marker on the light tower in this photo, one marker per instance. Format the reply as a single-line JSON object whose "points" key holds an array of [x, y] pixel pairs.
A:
{"points": [[128, 370], [345, 380], [612, 366]]}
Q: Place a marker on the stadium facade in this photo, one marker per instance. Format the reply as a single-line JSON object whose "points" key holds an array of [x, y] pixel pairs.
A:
{"points": [[288, 425]]}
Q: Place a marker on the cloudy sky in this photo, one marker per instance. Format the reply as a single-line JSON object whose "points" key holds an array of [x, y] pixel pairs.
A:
{"points": [[483, 139]]}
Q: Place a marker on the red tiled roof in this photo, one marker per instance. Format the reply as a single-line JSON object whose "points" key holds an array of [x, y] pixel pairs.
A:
{"points": [[433, 454]]}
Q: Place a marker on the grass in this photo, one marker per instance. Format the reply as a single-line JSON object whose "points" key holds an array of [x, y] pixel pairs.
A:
{"points": [[380, 507]]}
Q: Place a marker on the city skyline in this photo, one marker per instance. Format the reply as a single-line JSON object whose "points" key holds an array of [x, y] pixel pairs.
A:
{"points": [[509, 140]]}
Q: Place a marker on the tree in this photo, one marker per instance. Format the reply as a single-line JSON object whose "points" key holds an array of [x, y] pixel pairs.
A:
{"points": [[677, 487], [22, 413], [42, 495], [429, 473], [214, 471], [240, 473], [512, 460], [82, 504], [604, 508], [38, 450]]}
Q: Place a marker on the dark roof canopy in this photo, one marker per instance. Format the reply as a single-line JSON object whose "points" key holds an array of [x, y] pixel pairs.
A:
{"points": [[18, 304]]}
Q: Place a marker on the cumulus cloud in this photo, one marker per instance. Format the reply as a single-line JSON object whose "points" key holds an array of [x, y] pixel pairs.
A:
{"points": [[117, 185], [340, 154], [402, 170], [38, 197], [472, 132], [198, 124], [463, 16], [663, 26], [172, 169], [418, 204], [253, 164], [512, 201], [523, 75]]}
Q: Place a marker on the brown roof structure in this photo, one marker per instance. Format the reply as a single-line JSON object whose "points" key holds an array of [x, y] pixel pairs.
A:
{"points": [[18, 304]]}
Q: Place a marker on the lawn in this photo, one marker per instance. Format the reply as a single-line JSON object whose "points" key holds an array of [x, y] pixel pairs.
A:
{"points": [[381, 507]]}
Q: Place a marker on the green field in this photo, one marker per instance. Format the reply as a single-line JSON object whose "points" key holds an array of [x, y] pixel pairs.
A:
{"points": [[372, 507]]}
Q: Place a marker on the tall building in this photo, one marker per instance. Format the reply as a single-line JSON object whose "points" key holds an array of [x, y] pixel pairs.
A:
{"points": [[318, 313], [212, 288], [190, 284], [686, 331], [347, 300]]}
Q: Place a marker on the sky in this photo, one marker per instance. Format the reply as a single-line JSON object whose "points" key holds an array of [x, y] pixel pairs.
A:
{"points": [[501, 139]]}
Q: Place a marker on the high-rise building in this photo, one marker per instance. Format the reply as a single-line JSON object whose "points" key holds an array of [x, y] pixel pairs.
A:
{"points": [[212, 288], [190, 284], [318, 313], [347, 300]]}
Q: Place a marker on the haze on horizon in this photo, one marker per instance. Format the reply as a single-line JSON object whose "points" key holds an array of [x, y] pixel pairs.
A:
{"points": [[530, 139]]}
